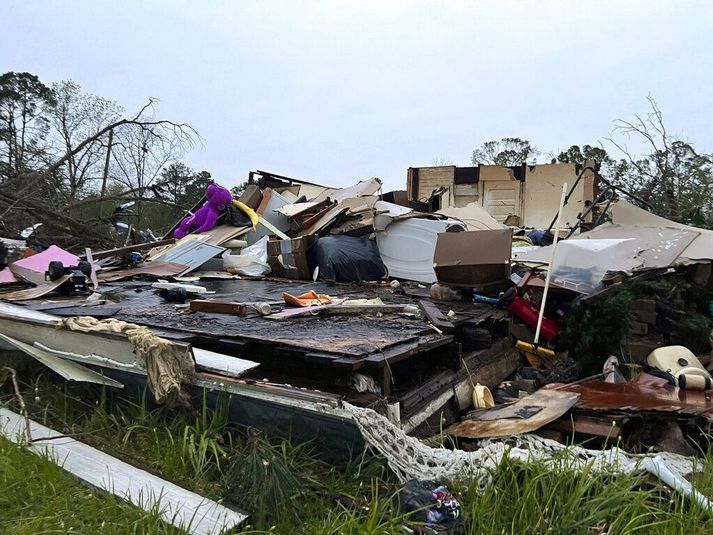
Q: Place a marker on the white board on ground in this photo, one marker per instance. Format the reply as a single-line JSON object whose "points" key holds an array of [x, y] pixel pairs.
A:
{"points": [[178, 506]]}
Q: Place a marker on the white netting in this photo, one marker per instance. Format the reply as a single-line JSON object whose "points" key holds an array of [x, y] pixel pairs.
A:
{"points": [[410, 458]]}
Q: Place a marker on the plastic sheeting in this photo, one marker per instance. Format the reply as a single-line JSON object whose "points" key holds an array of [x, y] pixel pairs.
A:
{"points": [[251, 262], [581, 262], [347, 259]]}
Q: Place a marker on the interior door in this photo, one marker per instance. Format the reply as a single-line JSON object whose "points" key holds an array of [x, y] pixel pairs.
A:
{"points": [[501, 198]]}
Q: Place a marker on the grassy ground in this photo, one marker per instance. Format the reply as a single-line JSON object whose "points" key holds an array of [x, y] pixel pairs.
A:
{"points": [[39, 497], [286, 488]]}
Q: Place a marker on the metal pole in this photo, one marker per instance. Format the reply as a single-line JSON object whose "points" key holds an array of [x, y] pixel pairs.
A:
{"points": [[551, 265]]}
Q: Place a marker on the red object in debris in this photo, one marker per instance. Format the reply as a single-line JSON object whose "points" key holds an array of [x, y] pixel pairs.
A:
{"points": [[526, 311]]}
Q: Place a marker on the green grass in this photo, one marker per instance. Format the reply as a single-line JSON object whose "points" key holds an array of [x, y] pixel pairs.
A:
{"points": [[39, 497], [287, 488]]}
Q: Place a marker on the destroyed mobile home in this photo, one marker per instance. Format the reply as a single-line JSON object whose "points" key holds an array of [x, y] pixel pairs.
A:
{"points": [[318, 309]]}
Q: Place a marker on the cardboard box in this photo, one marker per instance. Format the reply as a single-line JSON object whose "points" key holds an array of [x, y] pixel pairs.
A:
{"points": [[288, 258], [477, 259]]}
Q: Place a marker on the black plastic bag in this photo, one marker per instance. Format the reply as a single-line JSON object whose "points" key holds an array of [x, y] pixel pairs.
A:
{"points": [[347, 259], [234, 216]]}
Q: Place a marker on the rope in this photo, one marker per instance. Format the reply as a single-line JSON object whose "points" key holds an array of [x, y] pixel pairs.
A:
{"points": [[167, 365]]}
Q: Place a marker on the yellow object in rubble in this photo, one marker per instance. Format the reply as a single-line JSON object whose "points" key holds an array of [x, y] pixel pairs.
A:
{"points": [[533, 348], [254, 218], [482, 397]]}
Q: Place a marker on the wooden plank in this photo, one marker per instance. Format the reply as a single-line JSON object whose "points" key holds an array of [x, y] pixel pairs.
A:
{"points": [[321, 357], [176, 506], [403, 351], [98, 255], [435, 316], [95, 311], [218, 307], [488, 367], [37, 291], [608, 426], [348, 363]]}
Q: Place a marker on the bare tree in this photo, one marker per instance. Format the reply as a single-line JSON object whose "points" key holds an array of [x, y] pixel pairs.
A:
{"points": [[18, 193], [441, 161], [675, 178], [75, 116]]}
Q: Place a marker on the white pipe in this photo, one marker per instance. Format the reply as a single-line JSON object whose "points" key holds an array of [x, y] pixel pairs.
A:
{"points": [[552, 263], [676, 481]]}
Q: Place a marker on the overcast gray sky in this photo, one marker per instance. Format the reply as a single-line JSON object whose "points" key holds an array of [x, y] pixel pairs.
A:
{"points": [[341, 91]]}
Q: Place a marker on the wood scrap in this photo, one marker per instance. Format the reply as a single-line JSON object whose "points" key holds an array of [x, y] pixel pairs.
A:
{"points": [[120, 251], [435, 316], [156, 269], [219, 307], [524, 416], [337, 307], [38, 291]]}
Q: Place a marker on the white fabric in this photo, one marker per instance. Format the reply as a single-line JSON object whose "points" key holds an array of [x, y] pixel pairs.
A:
{"points": [[410, 458]]}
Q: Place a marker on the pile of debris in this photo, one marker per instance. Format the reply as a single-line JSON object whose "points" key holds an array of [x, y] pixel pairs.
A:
{"points": [[298, 298]]}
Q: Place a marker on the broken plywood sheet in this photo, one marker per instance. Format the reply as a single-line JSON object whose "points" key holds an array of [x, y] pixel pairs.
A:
{"points": [[360, 189], [224, 233], [329, 218], [38, 291], [387, 212], [27, 274], [524, 416], [355, 336], [350, 206], [176, 506], [310, 191], [157, 269], [291, 210]]}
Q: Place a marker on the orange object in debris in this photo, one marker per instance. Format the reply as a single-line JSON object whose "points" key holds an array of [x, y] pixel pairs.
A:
{"points": [[308, 299]]}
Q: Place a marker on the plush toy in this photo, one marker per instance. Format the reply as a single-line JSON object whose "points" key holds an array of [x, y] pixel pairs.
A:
{"points": [[205, 217]]}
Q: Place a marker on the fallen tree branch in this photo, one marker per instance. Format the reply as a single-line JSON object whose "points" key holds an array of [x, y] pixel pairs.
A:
{"points": [[20, 400]]}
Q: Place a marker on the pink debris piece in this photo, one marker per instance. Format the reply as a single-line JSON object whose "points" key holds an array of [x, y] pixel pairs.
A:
{"points": [[41, 261], [6, 276]]}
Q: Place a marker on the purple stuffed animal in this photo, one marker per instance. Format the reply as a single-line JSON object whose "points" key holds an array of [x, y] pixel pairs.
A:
{"points": [[205, 217]]}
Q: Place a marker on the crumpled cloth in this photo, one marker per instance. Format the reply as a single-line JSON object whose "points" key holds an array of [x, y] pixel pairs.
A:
{"points": [[168, 365]]}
